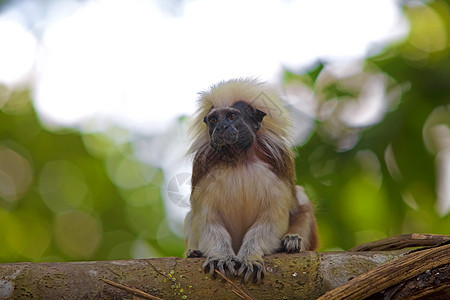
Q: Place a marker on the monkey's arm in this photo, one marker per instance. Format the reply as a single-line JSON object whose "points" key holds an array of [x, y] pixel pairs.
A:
{"points": [[205, 233], [302, 231]]}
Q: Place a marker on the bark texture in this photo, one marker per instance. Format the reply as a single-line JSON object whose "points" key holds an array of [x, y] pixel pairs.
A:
{"points": [[297, 276], [366, 271]]}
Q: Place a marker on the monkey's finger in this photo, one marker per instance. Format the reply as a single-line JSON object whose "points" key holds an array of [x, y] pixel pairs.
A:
{"points": [[262, 274], [248, 273], [241, 269], [259, 274], [231, 266], [220, 267], [256, 276], [212, 268], [206, 266], [209, 266], [292, 243]]}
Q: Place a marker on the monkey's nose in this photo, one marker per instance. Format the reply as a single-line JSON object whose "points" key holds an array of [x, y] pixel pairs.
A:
{"points": [[222, 130]]}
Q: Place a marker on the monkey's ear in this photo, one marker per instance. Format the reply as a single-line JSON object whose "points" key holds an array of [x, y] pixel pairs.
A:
{"points": [[257, 116], [205, 118]]}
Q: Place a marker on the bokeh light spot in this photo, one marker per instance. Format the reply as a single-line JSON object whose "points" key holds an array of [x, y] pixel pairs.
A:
{"points": [[428, 32], [16, 174], [62, 186], [77, 233], [23, 234]]}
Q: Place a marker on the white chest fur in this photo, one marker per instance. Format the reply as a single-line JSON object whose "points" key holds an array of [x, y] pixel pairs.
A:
{"points": [[241, 194]]}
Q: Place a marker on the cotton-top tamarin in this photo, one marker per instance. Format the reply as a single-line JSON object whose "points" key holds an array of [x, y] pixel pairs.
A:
{"points": [[244, 201]]}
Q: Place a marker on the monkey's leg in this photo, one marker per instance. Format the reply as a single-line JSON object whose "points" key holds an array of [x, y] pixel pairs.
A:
{"points": [[189, 238], [214, 242], [262, 238], [216, 245], [302, 231]]}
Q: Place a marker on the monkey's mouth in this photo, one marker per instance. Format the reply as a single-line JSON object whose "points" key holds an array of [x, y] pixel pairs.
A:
{"points": [[223, 139], [220, 138]]}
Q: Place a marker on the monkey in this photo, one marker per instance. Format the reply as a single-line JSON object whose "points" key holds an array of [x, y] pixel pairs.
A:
{"points": [[244, 200]]}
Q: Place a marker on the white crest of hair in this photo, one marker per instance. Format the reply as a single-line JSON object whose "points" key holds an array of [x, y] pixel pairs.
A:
{"points": [[259, 95]]}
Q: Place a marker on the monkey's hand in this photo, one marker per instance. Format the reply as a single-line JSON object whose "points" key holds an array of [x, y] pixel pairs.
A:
{"points": [[194, 253], [252, 265], [216, 263], [291, 243]]}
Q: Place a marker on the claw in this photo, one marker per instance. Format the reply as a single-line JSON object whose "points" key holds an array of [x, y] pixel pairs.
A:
{"points": [[214, 263], [242, 269], [220, 267], [248, 274], [254, 269], [259, 276], [231, 266], [210, 265]]}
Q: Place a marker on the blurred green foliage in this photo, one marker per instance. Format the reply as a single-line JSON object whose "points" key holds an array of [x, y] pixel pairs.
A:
{"points": [[386, 184], [65, 195], [74, 195]]}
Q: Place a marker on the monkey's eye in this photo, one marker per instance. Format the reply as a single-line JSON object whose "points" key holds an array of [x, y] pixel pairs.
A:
{"points": [[212, 120], [231, 117]]}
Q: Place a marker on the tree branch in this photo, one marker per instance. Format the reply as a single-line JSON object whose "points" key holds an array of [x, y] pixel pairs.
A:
{"points": [[307, 275], [392, 273], [403, 241]]}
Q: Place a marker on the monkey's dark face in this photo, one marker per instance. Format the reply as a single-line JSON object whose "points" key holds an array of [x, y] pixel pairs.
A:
{"points": [[233, 127]]}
